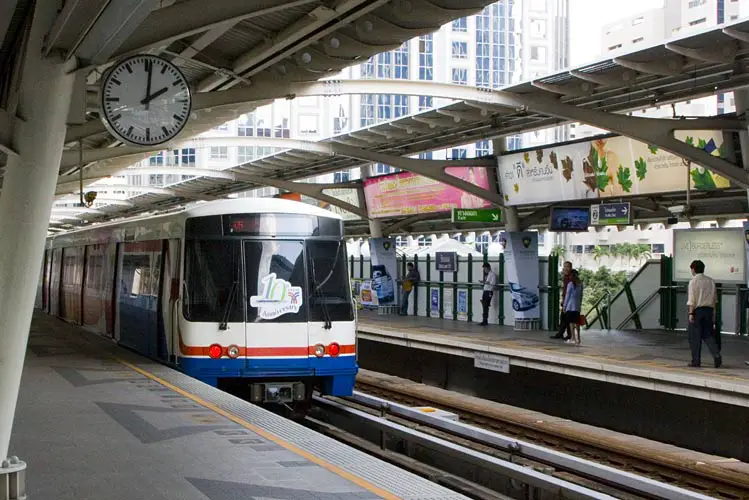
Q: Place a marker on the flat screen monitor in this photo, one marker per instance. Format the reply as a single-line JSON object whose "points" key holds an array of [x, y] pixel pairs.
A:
{"points": [[569, 219]]}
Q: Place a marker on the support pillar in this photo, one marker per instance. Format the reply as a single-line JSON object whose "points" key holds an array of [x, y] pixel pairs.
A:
{"points": [[741, 98], [25, 205], [375, 226]]}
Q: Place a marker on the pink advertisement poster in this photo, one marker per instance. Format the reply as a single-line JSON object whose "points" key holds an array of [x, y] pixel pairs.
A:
{"points": [[406, 193]]}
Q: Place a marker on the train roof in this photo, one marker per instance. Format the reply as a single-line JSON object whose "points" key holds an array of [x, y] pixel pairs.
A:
{"points": [[168, 225]]}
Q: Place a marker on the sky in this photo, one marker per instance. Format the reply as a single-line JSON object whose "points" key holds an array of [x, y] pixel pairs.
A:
{"points": [[587, 17]]}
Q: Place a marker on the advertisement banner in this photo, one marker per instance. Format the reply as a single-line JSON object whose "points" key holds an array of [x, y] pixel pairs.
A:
{"points": [[406, 193], [522, 267], [605, 168], [366, 297], [434, 302], [384, 270], [722, 250], [463, 305], [447, 308]]}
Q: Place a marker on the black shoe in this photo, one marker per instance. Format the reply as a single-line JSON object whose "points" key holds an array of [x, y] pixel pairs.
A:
{"points": [[484, 323], [718, 361], [556, 337], [693, 365]]}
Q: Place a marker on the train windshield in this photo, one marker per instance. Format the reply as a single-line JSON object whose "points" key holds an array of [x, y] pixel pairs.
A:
{"points": [[232, 280], [329, 290]]}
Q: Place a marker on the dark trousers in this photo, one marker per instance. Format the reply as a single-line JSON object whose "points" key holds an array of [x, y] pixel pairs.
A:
{"points": [[486, 301], [702, 330], [404, 302], [562, 331]]}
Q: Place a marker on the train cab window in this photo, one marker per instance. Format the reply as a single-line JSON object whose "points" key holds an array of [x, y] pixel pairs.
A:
{"points": [[276, 289], [329, 289], [213, 281]]}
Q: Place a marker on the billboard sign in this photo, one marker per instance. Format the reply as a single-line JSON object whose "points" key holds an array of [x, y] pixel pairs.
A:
{"points": [[722, 250], [612, 167], [406, 193]]}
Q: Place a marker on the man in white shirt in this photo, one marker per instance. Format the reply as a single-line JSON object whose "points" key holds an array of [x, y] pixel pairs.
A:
{"points": [[490, 283], [702, 300]]}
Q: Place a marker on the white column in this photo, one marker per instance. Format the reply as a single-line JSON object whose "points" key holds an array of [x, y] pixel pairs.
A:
{"points": [[375, 226], [26, 203], [741, 99]]}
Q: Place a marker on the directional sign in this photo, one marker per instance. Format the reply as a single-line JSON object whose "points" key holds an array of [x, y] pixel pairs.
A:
{"points": [[610, 214], [476, 215]]}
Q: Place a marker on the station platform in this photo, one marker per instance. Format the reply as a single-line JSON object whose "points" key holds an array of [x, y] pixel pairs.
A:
{"points": [[97, 421], [650, 360]]}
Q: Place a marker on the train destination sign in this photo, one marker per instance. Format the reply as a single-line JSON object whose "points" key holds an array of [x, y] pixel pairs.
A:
{"points": [[476, 215]]}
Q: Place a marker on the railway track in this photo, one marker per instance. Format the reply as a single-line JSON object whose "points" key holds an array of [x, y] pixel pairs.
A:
{"points": [[558, 464]]}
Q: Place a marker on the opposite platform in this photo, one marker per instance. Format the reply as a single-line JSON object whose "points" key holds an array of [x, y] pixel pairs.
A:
{"points": [[97, 421], [648, 360]]}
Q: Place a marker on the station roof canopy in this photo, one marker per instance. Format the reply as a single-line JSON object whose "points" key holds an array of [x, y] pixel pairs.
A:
{"points": [[239, 44]]}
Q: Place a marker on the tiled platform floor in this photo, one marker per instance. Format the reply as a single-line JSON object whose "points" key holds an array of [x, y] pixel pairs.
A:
{"points": [[97, 421]]}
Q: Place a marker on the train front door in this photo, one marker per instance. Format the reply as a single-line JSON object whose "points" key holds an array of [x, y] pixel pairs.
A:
{"points": [[276, 329]]}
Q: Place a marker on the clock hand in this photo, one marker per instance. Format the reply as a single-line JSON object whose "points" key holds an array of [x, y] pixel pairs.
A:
{"points": [[149, 68], [154, 96]]}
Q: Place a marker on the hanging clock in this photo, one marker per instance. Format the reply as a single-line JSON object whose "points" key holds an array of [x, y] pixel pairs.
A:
{"points": [[145, 100]]}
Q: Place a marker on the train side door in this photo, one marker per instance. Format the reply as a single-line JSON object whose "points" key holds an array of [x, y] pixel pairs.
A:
{"points": [[276, 331]]}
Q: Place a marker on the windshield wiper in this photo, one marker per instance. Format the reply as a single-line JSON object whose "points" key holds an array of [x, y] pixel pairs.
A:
{"points": [[224, 324]]}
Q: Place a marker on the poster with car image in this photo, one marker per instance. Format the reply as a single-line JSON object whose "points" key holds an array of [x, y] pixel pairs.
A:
{"points": [[522, 268], [384, 270]]}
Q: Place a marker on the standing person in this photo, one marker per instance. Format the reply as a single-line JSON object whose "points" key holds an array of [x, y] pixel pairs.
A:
{"points": [[573, 301], [701, 299], [409, 282], [566, 277], [489, 282]]}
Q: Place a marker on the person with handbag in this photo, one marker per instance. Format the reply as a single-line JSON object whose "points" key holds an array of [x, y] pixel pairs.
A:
{"points": [[411, 279], [573, 301]]}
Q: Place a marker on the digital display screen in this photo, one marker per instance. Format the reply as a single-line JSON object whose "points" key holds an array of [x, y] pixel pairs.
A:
{"points": [[569, 219], [280, 225]]}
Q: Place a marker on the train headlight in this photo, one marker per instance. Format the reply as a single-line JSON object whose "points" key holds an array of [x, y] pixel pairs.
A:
{"points": [[319, 350], [233, 351], [334, 349], [215, 351]]}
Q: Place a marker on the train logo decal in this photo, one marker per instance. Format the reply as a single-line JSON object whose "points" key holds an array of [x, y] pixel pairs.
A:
{"points": [[277, 297]]}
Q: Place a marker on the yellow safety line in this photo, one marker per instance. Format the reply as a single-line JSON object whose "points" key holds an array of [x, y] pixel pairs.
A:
{"points": [[597, 359], [362, 483]]}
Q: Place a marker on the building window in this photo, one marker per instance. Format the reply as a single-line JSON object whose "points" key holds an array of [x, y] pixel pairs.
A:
{"points": [[188, 156], [659, 248], [425, 102], [156, 160], [367, 110], [308, 124], [342, 176], [458, 154], [223, 127], [460, 50], [425, 155], [400, 105], [538, 54], [460, 76], [460, 25], [245, 154], [696, 3], [698, 21], [400, 62], [483, 148], [637, 40], [368, 69], [483, 42], [426, 57], [246, 125], [614, 47], [219, 152]]}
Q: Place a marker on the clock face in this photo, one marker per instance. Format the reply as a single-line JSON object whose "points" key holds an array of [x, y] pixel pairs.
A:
{"points": [[145, 100]]}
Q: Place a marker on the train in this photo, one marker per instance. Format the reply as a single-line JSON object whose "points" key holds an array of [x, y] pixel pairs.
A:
{"points": [[249, 295]]}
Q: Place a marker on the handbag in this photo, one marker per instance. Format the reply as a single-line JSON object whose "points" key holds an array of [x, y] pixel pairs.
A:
{"points": [[407, 285], [582, 320]]}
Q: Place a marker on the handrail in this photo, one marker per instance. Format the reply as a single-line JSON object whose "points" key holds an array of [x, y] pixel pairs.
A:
{"points": [[456, 283], [639, 308]]}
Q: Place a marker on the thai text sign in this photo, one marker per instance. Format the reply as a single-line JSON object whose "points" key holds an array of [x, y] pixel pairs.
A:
{"points": [[605, 168], [406, 193]]}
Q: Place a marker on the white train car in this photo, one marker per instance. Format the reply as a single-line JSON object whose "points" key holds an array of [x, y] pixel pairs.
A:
{"points": [[248, 295]]}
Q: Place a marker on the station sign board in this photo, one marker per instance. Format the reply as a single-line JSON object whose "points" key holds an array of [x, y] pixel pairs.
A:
{"points": [[476, 215], [446, 261], [611, 214]]}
